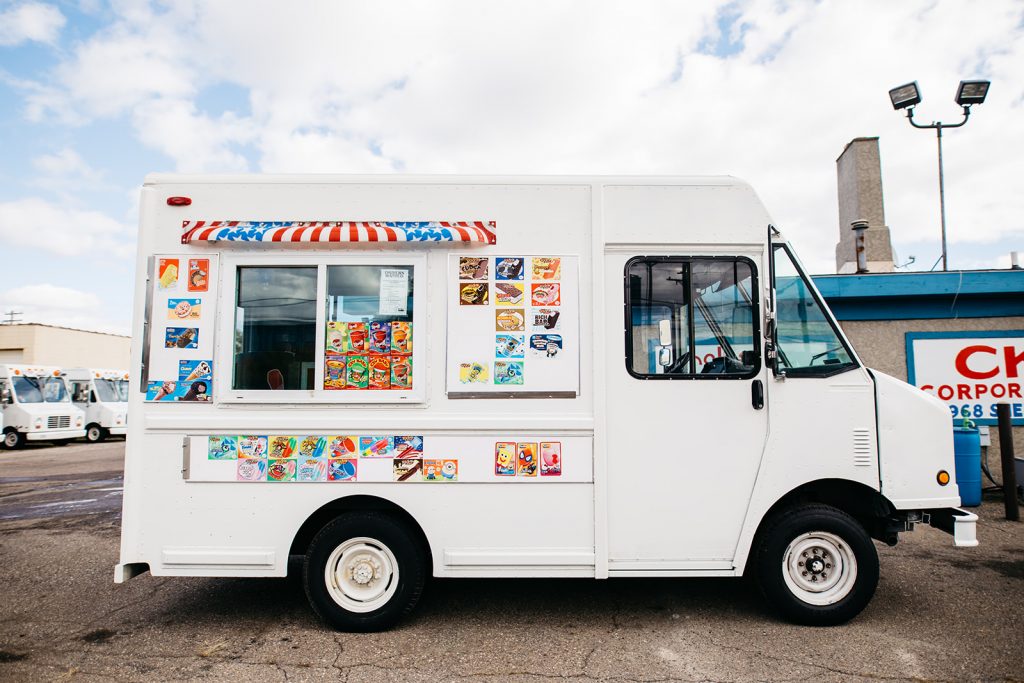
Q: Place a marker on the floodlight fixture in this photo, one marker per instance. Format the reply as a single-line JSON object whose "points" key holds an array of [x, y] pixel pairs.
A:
{"points": [[905, 96], [971, 92]]}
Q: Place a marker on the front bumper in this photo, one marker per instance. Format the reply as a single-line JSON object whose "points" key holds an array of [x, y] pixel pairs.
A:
{"points": [[55, 434], [960, 524]]}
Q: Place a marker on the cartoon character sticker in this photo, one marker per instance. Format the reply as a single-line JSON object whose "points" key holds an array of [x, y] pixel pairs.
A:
{"points": [[312, 447], [222, 448], [545, 319], [337, 337], [440, 470], [509, 268], [335, 371], [380, 337], [508, 372], [473, 268], [527, 460], [508, 293], [342, 446], [405, 469], [184, 309], [167, 273], [401, 372], [547, 268], [281, 470], [376, 447], [380, 372], [545, 345], [251, 470], [509, 320], [357, 373], [198, 274], [550, 459], [252, 447], [509, 346], [191, 370], [408, 446], [546, 294], [401, 337], [505, 459], [473, 294], [473, 373], [282, 447], [311, 469], [342, 470], [181, 338]]}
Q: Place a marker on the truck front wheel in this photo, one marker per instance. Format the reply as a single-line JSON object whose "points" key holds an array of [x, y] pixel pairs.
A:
{"points": [[816, 565], [364, 571], [94, 433], [13, 439]]}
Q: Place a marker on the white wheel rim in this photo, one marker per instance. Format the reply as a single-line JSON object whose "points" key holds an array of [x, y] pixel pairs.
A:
{"points": [[361, 574], [11, 439], [94, 433], [819, 568]]}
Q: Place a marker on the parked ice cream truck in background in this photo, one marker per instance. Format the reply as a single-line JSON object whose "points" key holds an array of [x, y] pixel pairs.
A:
{"points": [[103, 395], [37, 406], [404, 377]]}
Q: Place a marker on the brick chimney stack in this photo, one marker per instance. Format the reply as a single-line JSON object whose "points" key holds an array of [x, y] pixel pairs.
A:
{"points": [[859, 171]]}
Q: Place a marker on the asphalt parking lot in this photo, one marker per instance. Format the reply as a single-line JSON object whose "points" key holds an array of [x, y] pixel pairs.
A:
{"points": [[940, 613]]}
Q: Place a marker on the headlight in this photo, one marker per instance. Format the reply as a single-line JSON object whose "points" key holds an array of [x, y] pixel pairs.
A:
{"points": [[119, 420], [78, 422], [38, 423]]}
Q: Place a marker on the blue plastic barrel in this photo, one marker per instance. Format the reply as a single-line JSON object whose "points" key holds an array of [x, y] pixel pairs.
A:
{"points": [[967, 452]]}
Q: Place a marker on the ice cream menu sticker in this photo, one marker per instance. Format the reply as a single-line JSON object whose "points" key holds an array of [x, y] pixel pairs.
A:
{"points": [[394, 291], [181, 330], [513, 325]]}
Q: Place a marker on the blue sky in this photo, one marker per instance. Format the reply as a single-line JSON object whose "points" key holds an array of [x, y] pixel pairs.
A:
{"points": [[94, 95]]}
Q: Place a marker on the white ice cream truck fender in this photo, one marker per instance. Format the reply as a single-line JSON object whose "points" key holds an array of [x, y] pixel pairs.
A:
{"points": [[103, 395], [37, 406], [399, 377]]}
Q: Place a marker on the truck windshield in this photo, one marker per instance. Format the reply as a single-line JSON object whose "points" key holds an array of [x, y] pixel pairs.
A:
{"points": [[121, 385], [107, 391], [40, 390]]}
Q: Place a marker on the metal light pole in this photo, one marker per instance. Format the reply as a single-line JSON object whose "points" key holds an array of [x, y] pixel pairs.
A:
{"points": [[968, 93]]}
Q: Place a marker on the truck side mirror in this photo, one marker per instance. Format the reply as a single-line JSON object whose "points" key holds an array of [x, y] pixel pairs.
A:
{"points": [[5, 396], [665, 341]]}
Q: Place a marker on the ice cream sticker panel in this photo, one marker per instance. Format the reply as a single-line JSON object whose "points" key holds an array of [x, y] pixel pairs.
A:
{"points": [[513, 325], [181, 329]]}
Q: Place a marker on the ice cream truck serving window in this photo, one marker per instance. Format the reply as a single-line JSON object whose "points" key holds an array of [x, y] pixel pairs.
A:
{"points": [[341, 331]]}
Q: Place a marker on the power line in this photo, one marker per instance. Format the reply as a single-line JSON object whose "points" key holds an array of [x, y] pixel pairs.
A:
{"points": [[12, 317]]}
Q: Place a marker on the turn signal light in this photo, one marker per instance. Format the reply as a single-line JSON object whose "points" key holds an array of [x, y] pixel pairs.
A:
{"points": [[179, 201], [942, 477]]}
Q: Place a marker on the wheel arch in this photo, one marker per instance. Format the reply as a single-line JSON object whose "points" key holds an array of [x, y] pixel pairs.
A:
{"points": [[360, 502], [866, 505]]}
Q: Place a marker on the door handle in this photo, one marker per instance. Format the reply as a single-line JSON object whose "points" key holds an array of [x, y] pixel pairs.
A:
{"points": [[757, 394]]}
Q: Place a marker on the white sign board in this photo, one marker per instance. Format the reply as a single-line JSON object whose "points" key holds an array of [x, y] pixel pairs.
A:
{"points": [[970, 371]]}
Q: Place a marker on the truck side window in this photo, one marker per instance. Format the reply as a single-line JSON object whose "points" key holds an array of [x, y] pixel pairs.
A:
{"points": [[275, 327], [808, 344], [691, 318]]}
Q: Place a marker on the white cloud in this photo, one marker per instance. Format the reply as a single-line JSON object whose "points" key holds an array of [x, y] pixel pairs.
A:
{"points": [[36, 223], [30, 21], [65, 163], [64, 306]]}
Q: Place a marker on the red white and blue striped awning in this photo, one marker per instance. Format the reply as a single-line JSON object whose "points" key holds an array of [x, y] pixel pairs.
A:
{"points": [[339, 231]]}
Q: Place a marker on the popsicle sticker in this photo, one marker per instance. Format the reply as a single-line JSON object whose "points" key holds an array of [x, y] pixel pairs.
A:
{"points": [[281, 470], [508, 372], [527, 460], [198, 274], [167, 273], [473, 294], [311, 469], [545, 319], [222, 448], [184, 309], [473, 268], [181, 338], [546, 294], [342, 470], [505, 459], [408, 446], [547, 268], [282, 446], [473, 373], [312, 447], [440, 470], [550, 458], [508, 293], [407, 468], [376, 447], [342, 446], [252, 447], [251, 470], [509, 268]]}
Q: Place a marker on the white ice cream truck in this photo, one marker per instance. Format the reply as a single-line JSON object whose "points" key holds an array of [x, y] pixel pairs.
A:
{"points": [[37, 406], [103, 395], [403, 377]]}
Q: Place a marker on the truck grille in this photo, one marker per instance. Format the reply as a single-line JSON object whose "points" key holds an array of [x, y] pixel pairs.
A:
{"points": [[58, 421]]}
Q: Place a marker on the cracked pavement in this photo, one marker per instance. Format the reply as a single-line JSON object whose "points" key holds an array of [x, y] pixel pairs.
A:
{"points": [[940, 613]]}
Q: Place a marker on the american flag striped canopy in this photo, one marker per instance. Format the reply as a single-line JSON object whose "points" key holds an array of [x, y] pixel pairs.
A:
{"points": [[339, 231]]}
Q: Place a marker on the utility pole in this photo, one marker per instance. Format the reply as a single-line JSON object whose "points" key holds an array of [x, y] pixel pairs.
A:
{"points": [[12, 317]]}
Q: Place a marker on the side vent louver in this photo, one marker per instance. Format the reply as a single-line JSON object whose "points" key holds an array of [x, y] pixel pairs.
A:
{"points": [[862, 456]]}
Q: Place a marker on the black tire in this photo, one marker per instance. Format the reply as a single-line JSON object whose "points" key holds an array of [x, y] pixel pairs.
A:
{"points": [[782, 587], [386, 534], [13, 439], [95, 433]]}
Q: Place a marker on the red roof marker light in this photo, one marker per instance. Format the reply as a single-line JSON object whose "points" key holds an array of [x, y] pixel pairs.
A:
{"points": [[179, 201]]}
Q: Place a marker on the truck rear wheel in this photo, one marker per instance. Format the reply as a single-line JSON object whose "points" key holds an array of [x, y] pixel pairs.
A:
{"points": [[364, 571], [13, 439], [816, 565]]}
